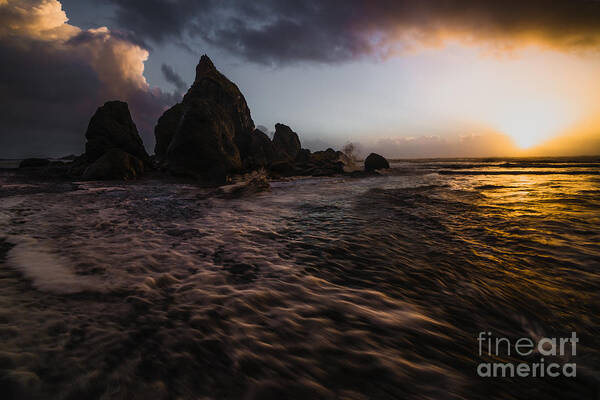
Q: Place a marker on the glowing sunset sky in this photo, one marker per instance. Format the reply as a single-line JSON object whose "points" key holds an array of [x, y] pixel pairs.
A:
{"points": [[452, 78]]}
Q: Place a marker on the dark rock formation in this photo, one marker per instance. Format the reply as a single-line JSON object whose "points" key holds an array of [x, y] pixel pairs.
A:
{"points": [[204, 145], [334, 157], [210, 135], [286, 143], [375, 161], [115, 164], [284, 168], [261, 153], [211, 85], [303, 156], [321, 163], [34, 163], [211, 95], [111, 127], [165, 129], [77, 167]]}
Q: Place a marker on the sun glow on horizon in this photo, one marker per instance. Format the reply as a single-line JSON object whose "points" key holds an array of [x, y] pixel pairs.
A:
{"points": [[531, 124], [531, 96]]}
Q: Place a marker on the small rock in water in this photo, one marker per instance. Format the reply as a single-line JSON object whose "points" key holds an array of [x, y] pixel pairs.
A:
{"points": [[375, 161]]}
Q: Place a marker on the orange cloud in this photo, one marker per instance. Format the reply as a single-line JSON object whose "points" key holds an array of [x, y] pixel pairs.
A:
{"points": [[39, 19], [118, 63], [55, 74]]}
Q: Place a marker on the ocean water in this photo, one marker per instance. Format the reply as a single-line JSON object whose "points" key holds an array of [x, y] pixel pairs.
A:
{"points": [[333, 288]]}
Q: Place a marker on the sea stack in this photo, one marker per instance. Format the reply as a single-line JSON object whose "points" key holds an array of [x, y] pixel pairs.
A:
{"points": [[208, 134], [111, 127], [114, 148], [286, 143]]}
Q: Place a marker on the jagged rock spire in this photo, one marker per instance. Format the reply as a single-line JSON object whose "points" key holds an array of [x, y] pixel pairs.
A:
{"points": [[204, 67], [210, 130]]}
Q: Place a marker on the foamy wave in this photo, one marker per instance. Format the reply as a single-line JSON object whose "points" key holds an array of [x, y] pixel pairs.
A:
{"points": [[48, 271]]}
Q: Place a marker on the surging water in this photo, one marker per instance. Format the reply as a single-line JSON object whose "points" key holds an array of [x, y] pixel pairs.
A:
{"points": [[320, 288]]}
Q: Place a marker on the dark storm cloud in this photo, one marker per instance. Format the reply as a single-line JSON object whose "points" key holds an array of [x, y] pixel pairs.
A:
{"points": [[54, 75], [274, 31], [39, 114], [161, 20], [173, 77]]}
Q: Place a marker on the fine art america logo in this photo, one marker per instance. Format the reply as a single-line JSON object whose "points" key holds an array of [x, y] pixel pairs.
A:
{"points": [[556, 349]]}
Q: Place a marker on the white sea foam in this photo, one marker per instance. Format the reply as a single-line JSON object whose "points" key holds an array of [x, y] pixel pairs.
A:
{"points": [[48, 271]]}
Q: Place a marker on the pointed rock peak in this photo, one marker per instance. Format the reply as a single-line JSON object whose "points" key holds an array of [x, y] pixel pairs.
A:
{"points": [[204, 67]]}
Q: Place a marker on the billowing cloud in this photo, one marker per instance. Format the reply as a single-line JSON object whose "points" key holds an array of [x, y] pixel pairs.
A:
{"points": [[35, 19], [274, 31], [54, 75]]}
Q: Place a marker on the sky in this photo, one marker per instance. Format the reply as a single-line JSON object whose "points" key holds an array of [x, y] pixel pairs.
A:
{"points": [[445, 78]]}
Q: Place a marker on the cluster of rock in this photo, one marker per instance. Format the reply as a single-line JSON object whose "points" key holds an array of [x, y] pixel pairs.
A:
{"points": [[210, 135]]}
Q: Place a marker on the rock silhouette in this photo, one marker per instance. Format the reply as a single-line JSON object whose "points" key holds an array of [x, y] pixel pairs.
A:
{"points": [[374, 162], [329, 162], [286, 143], [204, 144], [212, 85], [209, 133], [111, 127], [320, 163], [262, 152], [165, 130]]}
